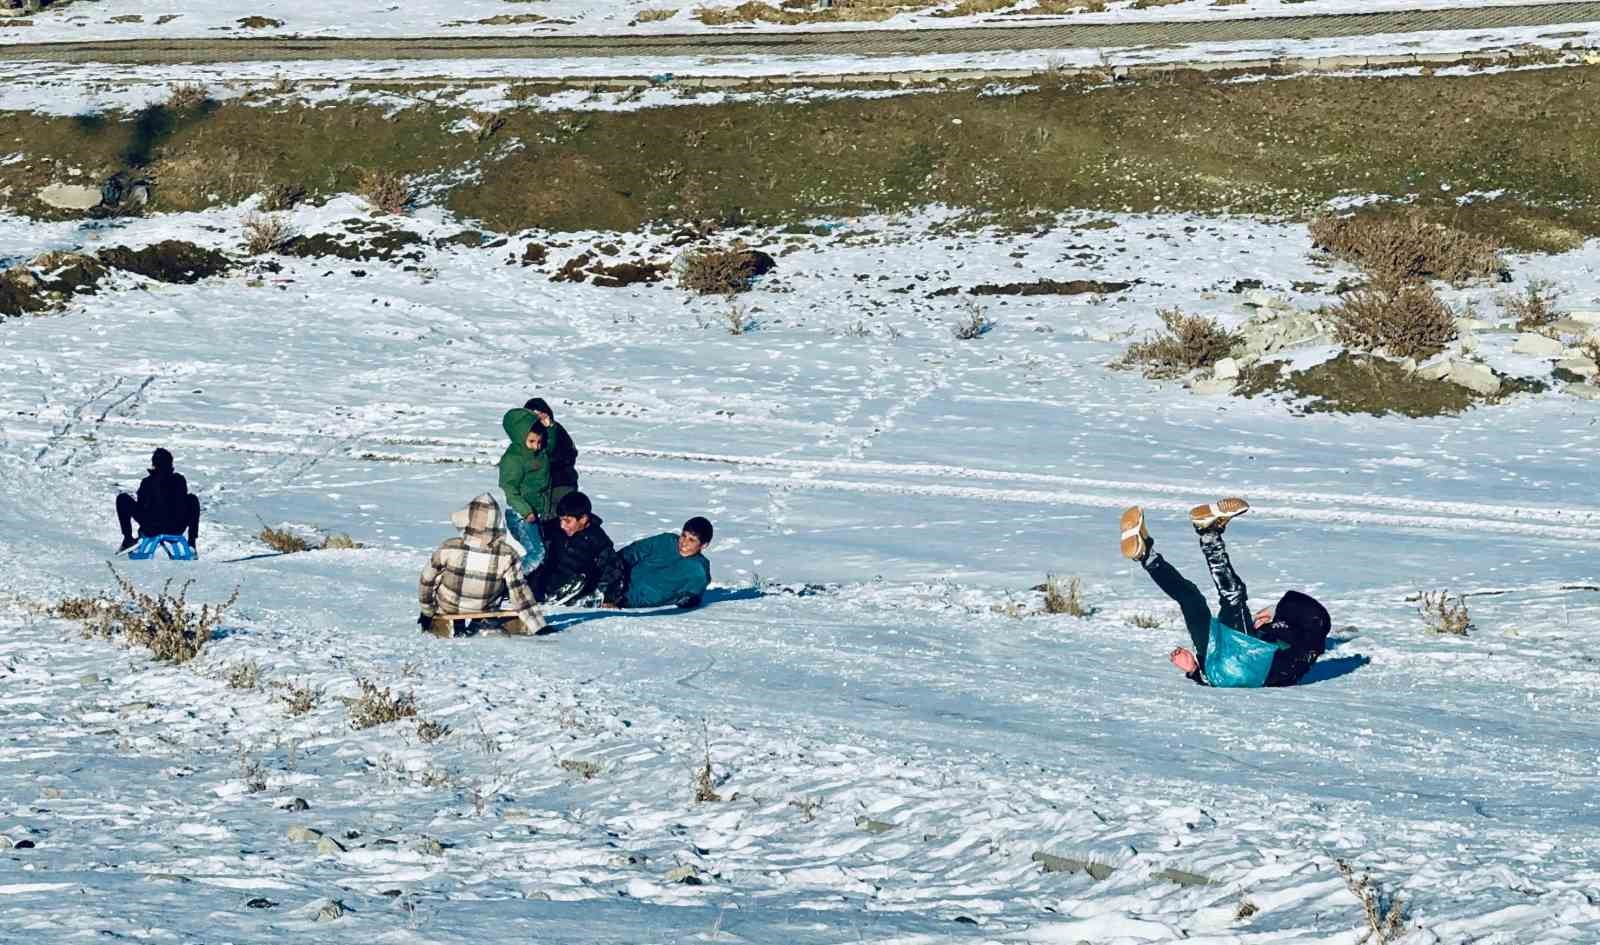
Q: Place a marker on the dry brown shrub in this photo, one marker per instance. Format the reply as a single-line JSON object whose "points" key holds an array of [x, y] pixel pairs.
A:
{"points": [[187, 97], [282, 196], [1065, 598], [96, 614], [654, 16], [385, 190], [299, 698], [1444, 615], [1191, 342], [265, 233], [246, 675], [1386, 918], [164, 622], [379, 706], [1404, 319], [197, 180], [1058, 7], [973, 7], [1407, 248], [282, 540], [1535, 307], [429, 731], [718, 270], [1144, 621]]}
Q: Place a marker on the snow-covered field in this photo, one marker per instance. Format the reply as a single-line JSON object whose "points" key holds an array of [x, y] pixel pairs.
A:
{"points": [[131, 19], [891, 747]]}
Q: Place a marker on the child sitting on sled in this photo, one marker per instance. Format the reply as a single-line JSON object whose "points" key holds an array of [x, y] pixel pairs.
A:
{"points": [[474, 573]]}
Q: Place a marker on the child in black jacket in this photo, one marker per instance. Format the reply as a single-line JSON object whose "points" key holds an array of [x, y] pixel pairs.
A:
{"points": [[580, 560]]}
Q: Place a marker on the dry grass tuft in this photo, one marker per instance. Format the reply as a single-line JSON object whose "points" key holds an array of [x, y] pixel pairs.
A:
{"points": [[792, 13], [973, 7], [655, 16], [1064, 598], [1144, 621], [1404, 319], [1535, 307], [96, 614], [282, 540], [298, 698], [385, 190], [1060, 7], [429, 731], [187, 97], [974, 324], [246, 675], [1191, 342], [738, 319], [1407, 248], [164, 623], [1385, 915], [704, 783], [379, 706], [1445, 615], [265, 233]]}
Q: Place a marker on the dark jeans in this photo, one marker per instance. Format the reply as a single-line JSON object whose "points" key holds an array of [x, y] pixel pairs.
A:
{"points": [[128, 512], [1232, 606]]}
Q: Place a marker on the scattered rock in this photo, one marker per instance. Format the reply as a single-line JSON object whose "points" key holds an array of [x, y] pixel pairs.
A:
{"points": [[611, 276], [295, 805], [260, 902], [1584, 367], [1277, 330], [132, 707], [534, 254], [1212, 386], [686, 874], [1226, 369], [6, 842], [1535, 344], [52, 793], [1261, 298], [1468, 325], [873, 826], [1479, 378], [1066, 864], [1569, 326], [1183, 877], [300, 833], [327, 846], [1590, 318], [70, 196], [1241, 286], [1050, 287], [166, 878], [89, 679], [387, 244], [22, 845], [329, 910], [258, 22]]}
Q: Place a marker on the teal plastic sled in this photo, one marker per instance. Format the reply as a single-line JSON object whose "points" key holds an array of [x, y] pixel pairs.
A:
{"points": [[177, 548]]}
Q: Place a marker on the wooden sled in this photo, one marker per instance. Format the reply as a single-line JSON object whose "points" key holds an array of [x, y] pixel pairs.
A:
{"points": [[444, 625]]}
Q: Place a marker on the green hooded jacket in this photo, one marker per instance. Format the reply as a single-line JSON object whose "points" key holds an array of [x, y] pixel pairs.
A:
{"points": [[524, 474]]}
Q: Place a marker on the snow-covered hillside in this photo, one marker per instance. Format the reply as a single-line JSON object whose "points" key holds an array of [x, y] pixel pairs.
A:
{"points": [[891, 747]]}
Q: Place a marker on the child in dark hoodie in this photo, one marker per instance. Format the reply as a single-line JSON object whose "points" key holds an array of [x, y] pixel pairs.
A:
{"points": [[525, 477], [580, 560], [163, 505], [1274, 647]]}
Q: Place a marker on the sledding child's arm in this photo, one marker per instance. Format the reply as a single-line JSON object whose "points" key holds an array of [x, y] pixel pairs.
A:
{"points": [[521, 598], [510, 481], [429, 581]]}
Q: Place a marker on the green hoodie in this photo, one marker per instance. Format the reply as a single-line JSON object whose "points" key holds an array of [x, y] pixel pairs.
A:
{"points": [[524, 474]]}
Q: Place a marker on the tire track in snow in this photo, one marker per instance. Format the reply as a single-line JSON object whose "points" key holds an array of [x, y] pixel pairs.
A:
{"points": [[1313, 507]]}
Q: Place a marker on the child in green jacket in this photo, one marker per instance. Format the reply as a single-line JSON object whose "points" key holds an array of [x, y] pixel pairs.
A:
{"points": [[525, 477]]}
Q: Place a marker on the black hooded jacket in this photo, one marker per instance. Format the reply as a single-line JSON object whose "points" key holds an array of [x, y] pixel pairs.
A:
{"points": [[163, 503], [575, 567], [563, 457]]}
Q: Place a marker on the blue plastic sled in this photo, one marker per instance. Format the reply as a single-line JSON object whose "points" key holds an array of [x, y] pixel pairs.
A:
{"points": [[176, 546]]}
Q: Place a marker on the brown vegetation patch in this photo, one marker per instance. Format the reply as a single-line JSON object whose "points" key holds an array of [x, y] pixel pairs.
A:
{"points": [[259, 22], [1358, 384], [385, 244], [1408, 247], [723, 271], [168, 261], [1404, 319], [587, 264], [1189, 342], [1051, 287], [48, 281]]}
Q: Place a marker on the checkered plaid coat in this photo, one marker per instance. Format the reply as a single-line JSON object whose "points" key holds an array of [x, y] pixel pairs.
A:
{"points": [[474, 572]]}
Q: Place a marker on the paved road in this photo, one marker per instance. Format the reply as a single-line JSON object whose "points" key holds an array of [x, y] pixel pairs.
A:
{"points": [[813, 43]]}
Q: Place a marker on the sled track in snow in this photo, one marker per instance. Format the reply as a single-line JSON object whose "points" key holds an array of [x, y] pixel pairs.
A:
{"points": [[1570, 523]]}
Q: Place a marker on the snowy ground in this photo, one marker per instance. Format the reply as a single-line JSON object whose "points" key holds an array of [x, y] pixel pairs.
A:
{"points": [[892, 749], [131, 19]]}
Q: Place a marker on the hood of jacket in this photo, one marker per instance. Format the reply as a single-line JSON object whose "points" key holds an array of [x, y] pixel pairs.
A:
{"points": [[479, 521], [517, 422]]}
